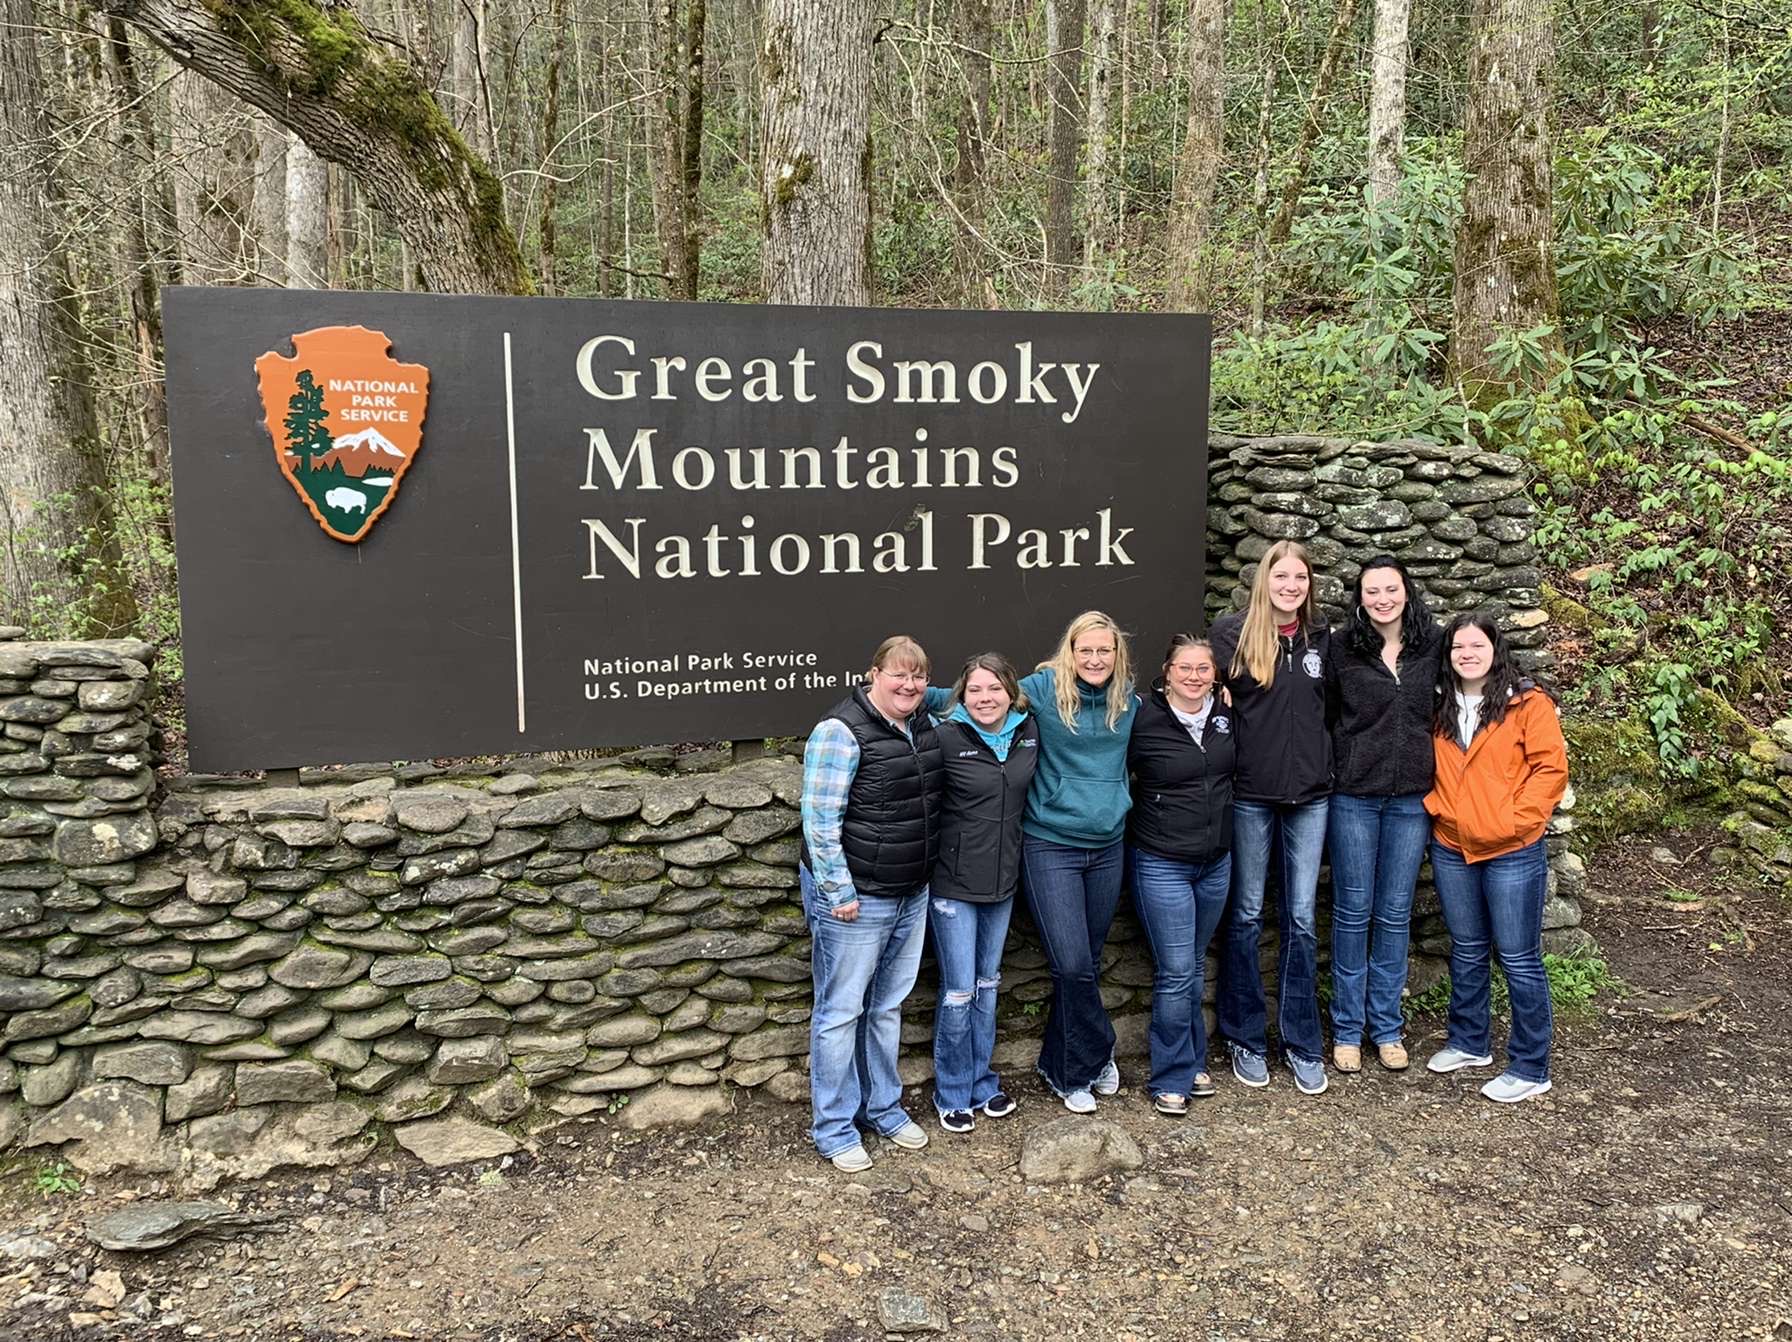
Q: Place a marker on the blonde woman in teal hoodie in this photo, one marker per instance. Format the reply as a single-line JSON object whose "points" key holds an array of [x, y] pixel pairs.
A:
{"points": [[1072, 844]]}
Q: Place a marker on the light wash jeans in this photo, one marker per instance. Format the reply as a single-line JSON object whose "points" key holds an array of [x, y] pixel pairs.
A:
{"points": [[863, 970], [967, 941]]}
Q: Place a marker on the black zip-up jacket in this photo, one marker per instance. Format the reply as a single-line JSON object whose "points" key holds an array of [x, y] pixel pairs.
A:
{"points": [[985, 797], [1284, 744], [1181, 790], [1381, 737]]}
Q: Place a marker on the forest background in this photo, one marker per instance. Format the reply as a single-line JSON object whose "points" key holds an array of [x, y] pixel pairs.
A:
{"points": [[1559, 231]]}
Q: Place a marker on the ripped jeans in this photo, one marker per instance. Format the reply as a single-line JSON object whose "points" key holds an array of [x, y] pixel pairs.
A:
{"points": [[967, 941]]}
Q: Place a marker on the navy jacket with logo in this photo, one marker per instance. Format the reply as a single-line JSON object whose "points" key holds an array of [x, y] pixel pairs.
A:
{"points": [[1181, 789], [1284, 746]]}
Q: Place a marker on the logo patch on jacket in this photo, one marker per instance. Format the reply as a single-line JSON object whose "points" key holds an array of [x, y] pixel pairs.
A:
{"points": [[1222, 725], [1312, 664]]}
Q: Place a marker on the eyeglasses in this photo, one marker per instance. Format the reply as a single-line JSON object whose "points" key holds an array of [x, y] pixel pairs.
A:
{"points": [[904, 677], [1093, 652]]}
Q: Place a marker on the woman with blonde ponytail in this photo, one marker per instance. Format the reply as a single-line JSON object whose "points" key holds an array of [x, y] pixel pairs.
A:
{"points": [[1073, 836], [1274, 659]]}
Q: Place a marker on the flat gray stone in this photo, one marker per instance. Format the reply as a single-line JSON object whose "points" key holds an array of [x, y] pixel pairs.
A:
{"points": [[295, 1080], [454, 1141], [156, 1225], [1077, 1149], [155, 1063]]}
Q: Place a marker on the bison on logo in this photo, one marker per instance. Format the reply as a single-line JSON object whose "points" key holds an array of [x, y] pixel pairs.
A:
{"points": [[346, 419]]}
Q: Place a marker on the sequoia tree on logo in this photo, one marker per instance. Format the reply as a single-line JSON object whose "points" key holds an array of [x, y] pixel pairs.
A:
{"points": [[346, 419]]}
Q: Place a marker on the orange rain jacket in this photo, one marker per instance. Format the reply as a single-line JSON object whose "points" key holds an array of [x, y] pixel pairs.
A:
{"points": [[1497, 796]]}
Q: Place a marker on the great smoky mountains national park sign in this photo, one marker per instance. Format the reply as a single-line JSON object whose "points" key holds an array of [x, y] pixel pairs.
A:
{"points": [[413, 526]]}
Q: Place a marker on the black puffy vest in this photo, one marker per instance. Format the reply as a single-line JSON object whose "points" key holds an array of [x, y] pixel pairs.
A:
{"points": [[891, 831], [980, 839]]}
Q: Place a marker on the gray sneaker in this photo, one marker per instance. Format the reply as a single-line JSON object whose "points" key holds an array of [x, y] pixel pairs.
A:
{"points": [[1251, 1069], [1453, 1059], [1509, 1089], [1309, 1074], [1080, 1102], [1108, 1081]]}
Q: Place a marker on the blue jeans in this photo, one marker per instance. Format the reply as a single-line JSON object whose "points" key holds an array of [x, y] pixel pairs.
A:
{"points": [[1180, 903], [1260, 831], [967, 942], [862, 970], [1073, 893], [1499, 900], [1377, 846]]}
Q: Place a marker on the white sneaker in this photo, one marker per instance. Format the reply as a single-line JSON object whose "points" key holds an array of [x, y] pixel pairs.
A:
{"points": [[853, 1160], [1080, 1102], [1108, 1083], [1454, 1060], [911, 1136], [1509, 1089]]}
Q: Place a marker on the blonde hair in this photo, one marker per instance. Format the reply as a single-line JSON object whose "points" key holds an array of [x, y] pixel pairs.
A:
{"points": [[1258, 639], [901, 649], [1062, 665]]}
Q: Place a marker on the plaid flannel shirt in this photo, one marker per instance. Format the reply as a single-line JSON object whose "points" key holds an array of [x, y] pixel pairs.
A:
{"points": [[830, 761]]}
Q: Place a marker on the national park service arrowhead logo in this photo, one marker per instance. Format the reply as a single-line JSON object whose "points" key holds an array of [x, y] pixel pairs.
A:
{"points": [[347, 420]]}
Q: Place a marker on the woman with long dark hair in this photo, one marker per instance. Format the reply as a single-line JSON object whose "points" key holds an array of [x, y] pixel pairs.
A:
{"points": [[990, 743], [1384, 672], [1273, 659], [1501, 769], [1180, 847]]}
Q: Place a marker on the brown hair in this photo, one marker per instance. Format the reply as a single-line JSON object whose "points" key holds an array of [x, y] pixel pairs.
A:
{"points": [[998, 666], [901, 649], [1182, 642]]}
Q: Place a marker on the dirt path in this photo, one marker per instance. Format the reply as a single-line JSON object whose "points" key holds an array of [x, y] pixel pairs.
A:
{"points": [[1646, 1198]]}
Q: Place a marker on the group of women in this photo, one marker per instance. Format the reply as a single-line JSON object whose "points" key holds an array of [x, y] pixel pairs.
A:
{"points": [[1277, 740]]}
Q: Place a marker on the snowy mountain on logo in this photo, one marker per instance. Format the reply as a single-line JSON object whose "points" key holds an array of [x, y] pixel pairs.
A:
{"points": [[361, 452]]}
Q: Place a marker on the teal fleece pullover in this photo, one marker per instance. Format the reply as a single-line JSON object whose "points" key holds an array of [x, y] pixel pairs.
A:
{"points": [[1079, 796]]}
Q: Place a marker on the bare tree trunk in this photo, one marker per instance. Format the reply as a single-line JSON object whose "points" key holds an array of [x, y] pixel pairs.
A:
{"points": [[62, 548], [468, 68], [1098, 211], [1064, 24], [1387, 99], [1198, 167], [270, 199], [307, 217], [1505, 270], [1269, 57], [1309, 131], [358, 106], [214, 183], [691, 147], [137, 152], [975, 33], [550, 187], [815, 79]]}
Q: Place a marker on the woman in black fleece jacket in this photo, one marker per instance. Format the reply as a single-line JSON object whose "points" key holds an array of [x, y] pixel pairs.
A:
{"points": [[1384, 685]]}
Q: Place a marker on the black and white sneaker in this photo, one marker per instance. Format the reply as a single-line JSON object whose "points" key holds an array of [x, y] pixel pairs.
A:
{"points": [[958, 1120], [999, 1105]]}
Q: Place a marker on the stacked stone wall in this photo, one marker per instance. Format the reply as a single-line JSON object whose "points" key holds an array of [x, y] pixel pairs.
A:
{"points": [[1762, 822], [227, 976]]}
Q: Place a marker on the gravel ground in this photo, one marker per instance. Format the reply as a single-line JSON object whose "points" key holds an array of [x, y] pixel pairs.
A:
{"points": [[1645, 1198]]}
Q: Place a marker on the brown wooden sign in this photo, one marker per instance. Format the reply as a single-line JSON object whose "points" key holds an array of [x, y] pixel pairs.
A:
{"points": [[626, 523]]}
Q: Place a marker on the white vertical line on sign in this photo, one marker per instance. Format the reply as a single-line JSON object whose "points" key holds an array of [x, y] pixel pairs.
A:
{"points": [[516, 560]]}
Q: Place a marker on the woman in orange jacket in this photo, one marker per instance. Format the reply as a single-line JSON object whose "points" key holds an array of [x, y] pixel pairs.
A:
{"points": [[1501, 768]]}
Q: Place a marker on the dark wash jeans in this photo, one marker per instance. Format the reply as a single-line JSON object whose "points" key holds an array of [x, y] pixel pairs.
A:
{"points": [[1377, 846], [1073, 893], [1498, 901], [1295, 835], [967, 941], [1181, 904]]}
